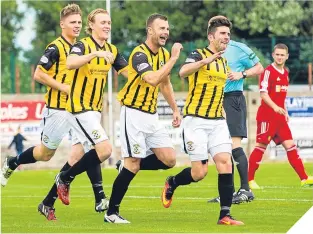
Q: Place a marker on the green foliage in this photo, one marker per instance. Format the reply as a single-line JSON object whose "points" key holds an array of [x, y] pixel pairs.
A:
{"points": [[279, 18], [306, 49], [187, 19], [10, 26]]}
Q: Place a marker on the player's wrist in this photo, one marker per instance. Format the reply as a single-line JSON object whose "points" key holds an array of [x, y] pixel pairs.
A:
{"points": [[244, 74]]}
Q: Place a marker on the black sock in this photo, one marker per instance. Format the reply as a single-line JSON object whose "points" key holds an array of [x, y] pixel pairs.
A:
{"points": [[242, 167], [53, 195], [26, 157], [119, 189], [95, 177], [90, 159], [151, 162], [182, 178], [225, 189], [233, 173]]}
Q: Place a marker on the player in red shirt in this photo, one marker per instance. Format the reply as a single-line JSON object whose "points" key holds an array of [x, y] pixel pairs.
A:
{"points": [[272, 118]]}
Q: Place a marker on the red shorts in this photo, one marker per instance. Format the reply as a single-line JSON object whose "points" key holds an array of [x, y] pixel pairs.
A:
{"points": [[278, 131]]}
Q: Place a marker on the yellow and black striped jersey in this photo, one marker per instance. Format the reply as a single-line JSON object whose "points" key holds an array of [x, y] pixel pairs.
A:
{"points": [[137, 93], [88, 81], [53, 63], [206, 86]]}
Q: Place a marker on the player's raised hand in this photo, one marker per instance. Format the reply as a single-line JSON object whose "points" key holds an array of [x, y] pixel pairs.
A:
{"points": [[108, 56], [213, 57], [176, 48], [280, 110]]}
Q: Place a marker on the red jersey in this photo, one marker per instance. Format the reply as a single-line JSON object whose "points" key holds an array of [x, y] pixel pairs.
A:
{"points": [[275, 83]]}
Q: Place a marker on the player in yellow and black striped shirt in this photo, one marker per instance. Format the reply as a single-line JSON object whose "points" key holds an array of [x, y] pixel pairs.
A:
{"points": [[90, 60], [149, 67], [204, 129], [52, 72]]}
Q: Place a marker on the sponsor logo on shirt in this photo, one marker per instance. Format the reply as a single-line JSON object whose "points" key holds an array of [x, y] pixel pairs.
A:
{"points": [[44, 59], [190, 60], [142, 66], [76, 50], [281, 88]]}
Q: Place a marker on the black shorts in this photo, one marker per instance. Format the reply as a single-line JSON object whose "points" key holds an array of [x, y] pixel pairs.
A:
{"points": [[236, 113]]}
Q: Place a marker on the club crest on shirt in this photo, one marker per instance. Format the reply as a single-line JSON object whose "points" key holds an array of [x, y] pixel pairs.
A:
{"points": [[96, 134], [190, 146]]}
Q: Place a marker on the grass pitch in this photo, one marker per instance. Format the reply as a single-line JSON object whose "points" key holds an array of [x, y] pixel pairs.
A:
{"points": [[277, 207]]}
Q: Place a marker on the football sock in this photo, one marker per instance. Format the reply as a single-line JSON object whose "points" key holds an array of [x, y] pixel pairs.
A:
{"points": [[90, 159], [95, 177], [26, 157], [119, 189], [296, 162], [182, 178], [151, 162], [225, 189], [254, 161], [242, 167]]}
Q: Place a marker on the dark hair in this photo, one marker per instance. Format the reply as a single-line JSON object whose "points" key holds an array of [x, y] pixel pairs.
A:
{"points": [[281, 46], [153, 17], [218, 22]]}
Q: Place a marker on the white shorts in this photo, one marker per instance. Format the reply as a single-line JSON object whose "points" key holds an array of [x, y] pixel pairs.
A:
{"points": [[141, 132], [87, 128], [203, 136], [55, 126], [73, 138]]}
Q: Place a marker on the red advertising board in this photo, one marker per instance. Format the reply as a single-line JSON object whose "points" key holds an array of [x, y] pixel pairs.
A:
{"points": [[21, 110]]}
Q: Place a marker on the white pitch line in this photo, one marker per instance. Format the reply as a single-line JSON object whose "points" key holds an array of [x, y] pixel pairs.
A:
{"points": [[178, 198]]}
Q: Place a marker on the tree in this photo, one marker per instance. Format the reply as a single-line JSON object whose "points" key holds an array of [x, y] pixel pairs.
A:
{"points": [[10, 26], [276, 18]]}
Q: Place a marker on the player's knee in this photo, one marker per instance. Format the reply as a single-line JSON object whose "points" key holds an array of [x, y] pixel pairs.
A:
{"points": [[46, 155], [132, 164], [198, 175], [171, 161], [104, 153], [224, 164]]}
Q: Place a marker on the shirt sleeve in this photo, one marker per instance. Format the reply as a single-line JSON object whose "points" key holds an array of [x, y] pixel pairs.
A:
{"points": [[50, 57], [193, 57], [78, 49], [249, 58], [119, 62], [141, 64], [264, 82]]}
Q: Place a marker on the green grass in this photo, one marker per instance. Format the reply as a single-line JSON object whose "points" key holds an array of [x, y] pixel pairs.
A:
{"points": [[277, 206]]}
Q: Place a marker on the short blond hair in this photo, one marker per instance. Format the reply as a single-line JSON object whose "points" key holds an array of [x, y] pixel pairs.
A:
{"points": [[91, 18], [70, 9]]}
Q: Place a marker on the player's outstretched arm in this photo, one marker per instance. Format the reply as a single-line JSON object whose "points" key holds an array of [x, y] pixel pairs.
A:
{"points": [[190, 68]]}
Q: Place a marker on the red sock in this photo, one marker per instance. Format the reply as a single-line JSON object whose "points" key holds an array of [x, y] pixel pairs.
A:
{"points": [[296, 162], [254, 160]]}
